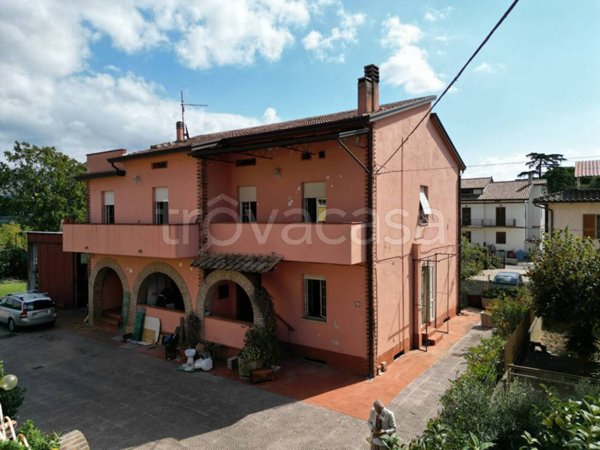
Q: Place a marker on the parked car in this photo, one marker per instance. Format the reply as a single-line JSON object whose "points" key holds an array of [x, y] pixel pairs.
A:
{"points": [[507, 281], [27, 309]]}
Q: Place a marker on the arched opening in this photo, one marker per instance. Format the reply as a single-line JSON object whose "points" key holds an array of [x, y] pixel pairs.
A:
{"points": [[230, 301], [107, 295], [160, 290]]}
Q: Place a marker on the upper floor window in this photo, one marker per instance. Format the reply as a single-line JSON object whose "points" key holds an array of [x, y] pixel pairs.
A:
{"points": [[315, 298], [108, 207], [466, 216], [247, 200], [315, 202], [160, 165], [500, 216], [161, 205], [500, 237], [424, 208]]}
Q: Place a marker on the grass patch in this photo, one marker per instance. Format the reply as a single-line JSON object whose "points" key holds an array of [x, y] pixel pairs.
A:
{"points": [[10, 286]]}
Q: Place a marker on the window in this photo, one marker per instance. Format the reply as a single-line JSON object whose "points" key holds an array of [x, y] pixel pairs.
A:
{"points": [[467, 235], [427, 293], [315, 202], [247, 199], [161, 206], [500, 216], [306, 156], [322, 154], [245, 162], [500, 237], [159, 165], [424, 208], [466, 216], [315, 298], [591, 226], [108, 207]]}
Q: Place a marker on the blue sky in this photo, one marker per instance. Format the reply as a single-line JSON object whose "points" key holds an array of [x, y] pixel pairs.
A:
{"points": [[89, 76]]}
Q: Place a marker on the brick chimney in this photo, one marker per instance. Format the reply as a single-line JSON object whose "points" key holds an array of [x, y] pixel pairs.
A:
{"points": [[179, 131], [368, 90]]}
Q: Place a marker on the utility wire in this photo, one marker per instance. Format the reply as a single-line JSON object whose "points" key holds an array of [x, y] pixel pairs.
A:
{"points": [[504, 16]]}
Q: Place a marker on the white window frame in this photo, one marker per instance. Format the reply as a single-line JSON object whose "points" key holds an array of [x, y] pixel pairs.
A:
{"points": [[315, 190], [322, 301]]}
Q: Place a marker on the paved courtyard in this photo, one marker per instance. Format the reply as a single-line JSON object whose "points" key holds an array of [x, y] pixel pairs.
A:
{"points": [[122, 398]]}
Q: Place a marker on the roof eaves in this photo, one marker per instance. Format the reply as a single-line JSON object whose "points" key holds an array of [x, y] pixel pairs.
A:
{"points": [[152, 152], [104, 174], [401, 108]]}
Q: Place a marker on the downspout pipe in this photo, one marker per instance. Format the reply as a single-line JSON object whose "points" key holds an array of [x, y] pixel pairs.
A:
{"points": [[371, 356], [459, 243]]}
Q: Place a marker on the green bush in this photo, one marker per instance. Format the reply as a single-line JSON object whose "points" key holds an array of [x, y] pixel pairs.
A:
{"points": [[13, 251], [566, 424], [509, 310], [485, 361], [37, 439], [10, 400]]}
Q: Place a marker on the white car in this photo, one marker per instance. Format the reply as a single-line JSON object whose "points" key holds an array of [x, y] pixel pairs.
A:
{"points": [[27, 309]]}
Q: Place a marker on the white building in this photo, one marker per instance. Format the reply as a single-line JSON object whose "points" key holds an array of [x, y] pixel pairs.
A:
{"points": [[502, 213]]}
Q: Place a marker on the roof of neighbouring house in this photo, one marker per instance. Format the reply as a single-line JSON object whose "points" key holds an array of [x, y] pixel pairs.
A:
{"points": [[290, 125], [509, 190], [587, 168], [475, 183], [571, 196]]}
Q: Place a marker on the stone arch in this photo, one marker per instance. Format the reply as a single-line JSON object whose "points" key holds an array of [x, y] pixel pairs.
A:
{"points": [[246, 283], [168, 270], [95, 283]]}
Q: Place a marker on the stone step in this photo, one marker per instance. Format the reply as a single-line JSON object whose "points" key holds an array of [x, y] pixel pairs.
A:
{"points": [[432, 338]]}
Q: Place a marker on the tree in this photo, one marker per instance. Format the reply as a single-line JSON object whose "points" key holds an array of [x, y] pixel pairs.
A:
{"points": [[39, 184], [560, 179], [13, 251], [565, 284], [540, 161]]}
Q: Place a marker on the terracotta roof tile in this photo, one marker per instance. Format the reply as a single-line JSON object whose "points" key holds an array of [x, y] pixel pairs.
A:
{"points": [[509, 190], [571, 196], [475, 183], [279, 126], [587, 168], [238, 262]]}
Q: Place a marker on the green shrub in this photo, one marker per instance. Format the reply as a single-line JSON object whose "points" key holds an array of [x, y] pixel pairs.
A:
{"points": [[566, 424], [485, 361], [509, 310], [11, 445], [37, 439], [10, 400]]}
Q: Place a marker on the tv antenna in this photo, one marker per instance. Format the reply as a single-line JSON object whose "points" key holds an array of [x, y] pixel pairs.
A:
{"points": [[183, 105]]}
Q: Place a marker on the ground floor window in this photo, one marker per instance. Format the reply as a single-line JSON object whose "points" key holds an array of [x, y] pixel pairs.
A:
{"points": [[501, 237], [315, 298]]}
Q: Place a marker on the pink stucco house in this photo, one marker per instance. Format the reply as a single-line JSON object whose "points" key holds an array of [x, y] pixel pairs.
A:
{"points": [[353, 231]]}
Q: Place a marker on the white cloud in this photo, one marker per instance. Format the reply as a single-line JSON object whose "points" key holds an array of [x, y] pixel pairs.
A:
{"points": [[490, 68], [330, 47], [49, 95], [408, 65], [433, 15]]}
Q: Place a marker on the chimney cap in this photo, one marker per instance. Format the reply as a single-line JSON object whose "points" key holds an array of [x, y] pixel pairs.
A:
{"points": [[372, 72]]}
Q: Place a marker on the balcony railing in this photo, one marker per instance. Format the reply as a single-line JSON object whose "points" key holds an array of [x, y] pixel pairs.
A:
{"points": [[489, 223], [333, 243], [155, 241]]}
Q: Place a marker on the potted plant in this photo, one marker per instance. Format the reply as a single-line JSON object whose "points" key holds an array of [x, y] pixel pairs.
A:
{"points": [[249, 359]]}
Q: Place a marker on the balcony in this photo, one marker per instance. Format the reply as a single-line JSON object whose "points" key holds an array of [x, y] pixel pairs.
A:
{"points": [[331, 243], [511, 223], [152, 241]]}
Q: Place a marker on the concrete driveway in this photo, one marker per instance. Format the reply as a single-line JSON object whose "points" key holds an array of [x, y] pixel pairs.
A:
{"points": [[119, 398]]}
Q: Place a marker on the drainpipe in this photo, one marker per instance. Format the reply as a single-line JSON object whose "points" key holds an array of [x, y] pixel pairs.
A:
{"points": [[371, 332], [459, 246]]}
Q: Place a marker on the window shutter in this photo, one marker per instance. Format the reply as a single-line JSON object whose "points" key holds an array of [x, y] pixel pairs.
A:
{"points": [[589, 225], [161, 194]]}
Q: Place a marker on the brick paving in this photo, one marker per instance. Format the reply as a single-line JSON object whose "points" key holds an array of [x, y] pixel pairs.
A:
{"points": [[78, 378]]}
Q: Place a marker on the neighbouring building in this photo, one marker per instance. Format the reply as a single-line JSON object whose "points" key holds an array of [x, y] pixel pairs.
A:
{"points": [[353, 231], [63, 275], [502, 214], [575, 209]]}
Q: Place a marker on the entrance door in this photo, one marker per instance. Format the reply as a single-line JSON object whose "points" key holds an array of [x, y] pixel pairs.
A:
{"points": [[427, 293], [244, 307]]}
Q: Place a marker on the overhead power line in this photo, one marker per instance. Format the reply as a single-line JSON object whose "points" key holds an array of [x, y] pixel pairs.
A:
{"points": [[493, 30]]}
